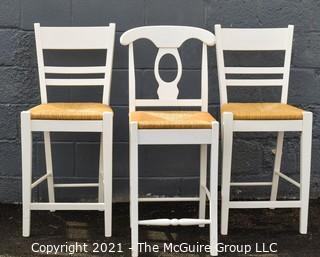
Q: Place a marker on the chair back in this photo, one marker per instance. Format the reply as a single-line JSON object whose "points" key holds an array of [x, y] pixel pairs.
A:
{"points": [[75, 38], [234, 39], [168, 39]]}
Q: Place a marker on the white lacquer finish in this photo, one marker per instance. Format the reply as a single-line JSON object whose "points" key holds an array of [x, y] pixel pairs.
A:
{"points": [[167, 36], [69, 38], [168, 39], [261, 40]]}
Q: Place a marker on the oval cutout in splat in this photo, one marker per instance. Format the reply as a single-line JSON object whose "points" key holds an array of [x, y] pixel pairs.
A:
{"points": [[168, 90]]}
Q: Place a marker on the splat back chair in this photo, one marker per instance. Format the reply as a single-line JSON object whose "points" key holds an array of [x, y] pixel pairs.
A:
{"points": [[70, 117], [172, 127], [255, 117]]}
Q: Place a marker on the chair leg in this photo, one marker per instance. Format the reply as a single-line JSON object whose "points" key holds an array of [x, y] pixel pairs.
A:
{"points": [[226, 170], [203, 182], [100, 188], [26, 150], [214, 189], [48, 155], [134, 205], [107, 170], [305, 163], [277, 166]]}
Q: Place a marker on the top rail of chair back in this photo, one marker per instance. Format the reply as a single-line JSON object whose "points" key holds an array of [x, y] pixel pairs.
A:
{"points": [[81, 38], [167, 36], [260, 39]]}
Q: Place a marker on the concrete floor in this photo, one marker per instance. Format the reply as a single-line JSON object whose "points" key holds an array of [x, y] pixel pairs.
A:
{"points": [[246, 227]]}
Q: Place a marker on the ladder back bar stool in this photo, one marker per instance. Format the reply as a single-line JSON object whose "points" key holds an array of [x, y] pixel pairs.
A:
{"points": [[172, 127], [70, 117], [255, 117]]}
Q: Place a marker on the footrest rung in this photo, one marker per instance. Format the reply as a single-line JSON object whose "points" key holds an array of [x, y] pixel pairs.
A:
{"points": [[174, 222], [250, 184], [77, 185], [67, 206], [263, 204], [168, 199]]}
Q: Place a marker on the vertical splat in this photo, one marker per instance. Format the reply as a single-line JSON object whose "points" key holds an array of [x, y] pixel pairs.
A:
{"points": [[168, 90]]}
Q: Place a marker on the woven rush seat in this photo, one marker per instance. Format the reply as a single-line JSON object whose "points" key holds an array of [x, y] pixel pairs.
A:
{"points": [[172, 119], [69, 111], [263, 111]]}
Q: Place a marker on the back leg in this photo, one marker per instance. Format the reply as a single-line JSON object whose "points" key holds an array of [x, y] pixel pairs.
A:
{"points": [[203, 182], [277, 166], [48, 157], [100, 189]]}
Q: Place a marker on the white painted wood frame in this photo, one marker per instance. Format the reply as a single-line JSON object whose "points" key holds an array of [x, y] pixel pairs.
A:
{"points": [[70, 38], [168, 39], [230, 39]]}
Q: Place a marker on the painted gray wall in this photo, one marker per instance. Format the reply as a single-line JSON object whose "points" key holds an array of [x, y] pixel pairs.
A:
{"points": [[164, 170]]}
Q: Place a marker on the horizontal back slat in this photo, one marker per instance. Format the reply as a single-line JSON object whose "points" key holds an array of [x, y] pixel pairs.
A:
{"points": [[254, 39], [75, 82], [254, 82], [74, 70], [75, 38], [159, 103], [254, 70]]}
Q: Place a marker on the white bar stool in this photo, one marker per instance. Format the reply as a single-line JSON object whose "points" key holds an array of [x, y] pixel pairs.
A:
{"points": [[70, 117], [172, 127], [276, 117]]}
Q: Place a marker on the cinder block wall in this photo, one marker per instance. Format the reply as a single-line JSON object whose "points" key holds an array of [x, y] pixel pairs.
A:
{"points": [[164, 170]]}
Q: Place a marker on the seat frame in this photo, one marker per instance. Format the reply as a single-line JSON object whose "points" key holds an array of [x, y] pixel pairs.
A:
{"points": [[69, 38], [261, 40], [168, 39]]}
